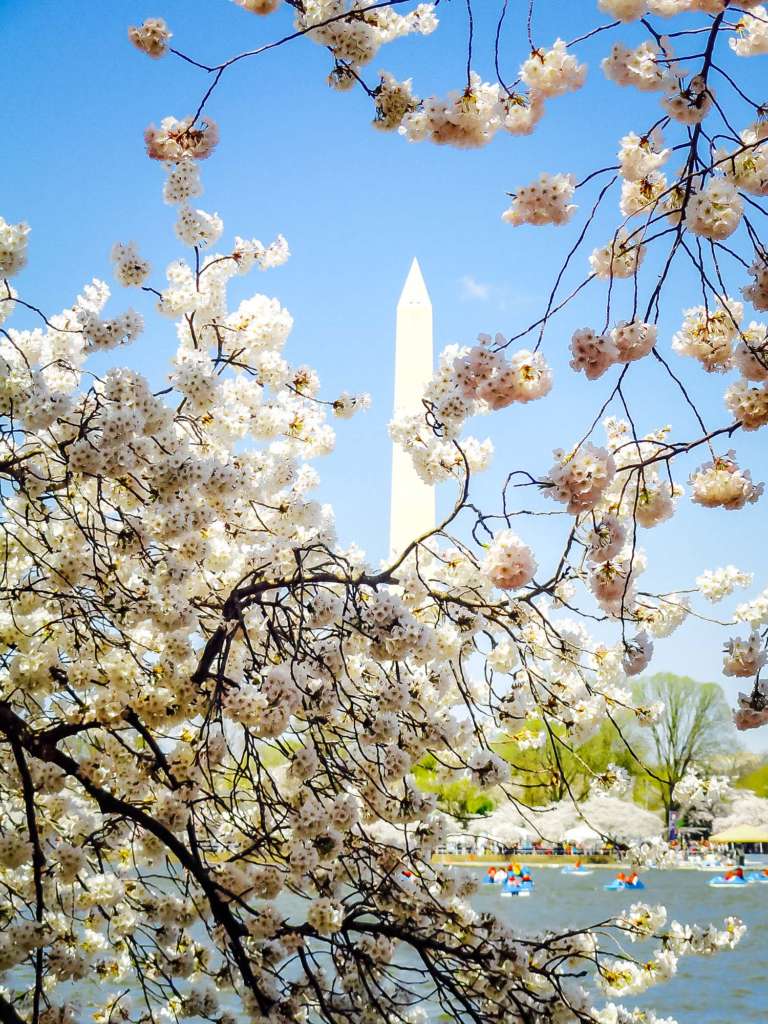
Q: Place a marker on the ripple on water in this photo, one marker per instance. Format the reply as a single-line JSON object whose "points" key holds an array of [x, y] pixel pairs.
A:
{"points": [[723, 989]]}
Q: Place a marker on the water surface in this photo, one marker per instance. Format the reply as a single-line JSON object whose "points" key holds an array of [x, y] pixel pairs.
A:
{"points": [[729, 988]]}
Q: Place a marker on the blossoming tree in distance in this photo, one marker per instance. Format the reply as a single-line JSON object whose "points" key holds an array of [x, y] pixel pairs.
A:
{"points": [[211, 712]]}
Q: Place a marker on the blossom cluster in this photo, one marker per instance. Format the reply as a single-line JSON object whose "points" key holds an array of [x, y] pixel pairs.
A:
{"points": [[721, 483], [13, 247], [543, 202], [509, 563], [468, 381], [752, 38], [151, 37], [258, 6], [473, 117], [752, 708], [720, 583], [354, 41], [595, 353]]}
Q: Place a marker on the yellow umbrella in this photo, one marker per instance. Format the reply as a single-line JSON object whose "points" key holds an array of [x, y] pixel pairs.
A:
{"points": [[742, 834]]}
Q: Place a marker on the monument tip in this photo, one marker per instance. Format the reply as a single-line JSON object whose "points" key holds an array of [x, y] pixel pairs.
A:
{"points": [[414, 290]]}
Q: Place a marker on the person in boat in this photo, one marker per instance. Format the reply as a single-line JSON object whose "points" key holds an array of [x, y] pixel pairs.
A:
{"points": [[621, 877], [633, 879], [764, 872], [734, 873], [490, 873], [577, 865], [515, 869], [525, 877]]}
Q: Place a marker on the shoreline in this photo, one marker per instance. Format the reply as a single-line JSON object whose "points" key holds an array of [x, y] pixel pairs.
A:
{"points": [[559, 861], [549, 862]]}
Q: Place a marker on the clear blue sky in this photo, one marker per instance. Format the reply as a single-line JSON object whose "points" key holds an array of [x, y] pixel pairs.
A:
{"points": [[355, 206]]}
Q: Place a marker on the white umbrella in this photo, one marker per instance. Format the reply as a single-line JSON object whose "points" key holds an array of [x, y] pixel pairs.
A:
{"points": [[582, 835]]}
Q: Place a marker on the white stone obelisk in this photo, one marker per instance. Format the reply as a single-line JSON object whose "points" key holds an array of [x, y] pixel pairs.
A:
{"points": [[412, 511]]}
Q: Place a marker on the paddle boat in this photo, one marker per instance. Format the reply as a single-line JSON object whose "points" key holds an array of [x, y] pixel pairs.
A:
{"points": [[515, 886], [723, 882], [518, 881], [757, 876], [622, 882], [730, 880], [575, 869]]}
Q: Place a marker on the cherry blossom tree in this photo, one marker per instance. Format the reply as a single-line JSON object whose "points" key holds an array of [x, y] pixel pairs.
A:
{"points": [[211, 712]]}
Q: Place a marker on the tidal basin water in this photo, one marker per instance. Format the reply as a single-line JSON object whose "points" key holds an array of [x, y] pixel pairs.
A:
{"points": [[729, 988]]}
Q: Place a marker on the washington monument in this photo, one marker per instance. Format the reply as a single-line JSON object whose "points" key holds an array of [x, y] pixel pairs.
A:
{"points": [[412, 510]]}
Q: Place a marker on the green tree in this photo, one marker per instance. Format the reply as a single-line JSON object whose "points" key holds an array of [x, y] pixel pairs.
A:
{"points": [[694, 728], [461, 798], [557, 769]]}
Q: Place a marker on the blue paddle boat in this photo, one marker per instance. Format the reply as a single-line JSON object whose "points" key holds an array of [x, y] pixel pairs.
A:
{"points": [[727, 882], [518, 885], [620, 884]]}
